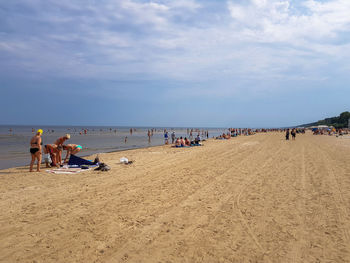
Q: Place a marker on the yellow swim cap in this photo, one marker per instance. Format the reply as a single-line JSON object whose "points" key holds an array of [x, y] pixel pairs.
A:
{"points": [[39, 131]]}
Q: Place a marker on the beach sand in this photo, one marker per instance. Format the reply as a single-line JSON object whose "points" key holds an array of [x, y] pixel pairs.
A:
{"points": [[249, 199]]}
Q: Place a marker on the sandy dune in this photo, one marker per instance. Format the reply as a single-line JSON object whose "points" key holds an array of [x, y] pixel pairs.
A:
{"points": [[249, 199]]}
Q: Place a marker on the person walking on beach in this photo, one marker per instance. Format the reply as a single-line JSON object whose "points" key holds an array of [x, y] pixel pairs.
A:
{"points": [[287, 134], [35, 150], [293, 133]]}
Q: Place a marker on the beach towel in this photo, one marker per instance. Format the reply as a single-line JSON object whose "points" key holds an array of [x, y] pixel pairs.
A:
{"points": [[66, 171], [77, 161]]}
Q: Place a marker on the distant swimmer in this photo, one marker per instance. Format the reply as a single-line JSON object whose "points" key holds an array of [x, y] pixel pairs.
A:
{"points": [[35, 150], [149, 136], [71, 149], [126, 139]]}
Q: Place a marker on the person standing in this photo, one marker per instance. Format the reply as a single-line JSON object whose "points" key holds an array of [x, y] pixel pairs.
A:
{"points": [[293, 133], [149, 136], [166, 137], [35, 150], [287, 134], [173, 137]]}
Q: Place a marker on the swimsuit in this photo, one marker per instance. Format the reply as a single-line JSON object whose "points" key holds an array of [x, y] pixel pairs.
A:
{"points": [[33, 150]]}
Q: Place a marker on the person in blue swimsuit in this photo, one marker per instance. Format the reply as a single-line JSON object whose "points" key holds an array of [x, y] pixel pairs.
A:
{"points": [[71, 149]]}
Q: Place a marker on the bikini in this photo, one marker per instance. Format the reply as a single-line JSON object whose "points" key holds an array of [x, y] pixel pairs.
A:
{"points": [[34, 150]]}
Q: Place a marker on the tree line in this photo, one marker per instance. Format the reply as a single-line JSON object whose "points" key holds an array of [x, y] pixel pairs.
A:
{"points": [[341, 121]]}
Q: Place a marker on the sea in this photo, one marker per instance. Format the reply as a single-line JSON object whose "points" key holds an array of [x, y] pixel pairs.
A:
{"points": [[15, 140]]}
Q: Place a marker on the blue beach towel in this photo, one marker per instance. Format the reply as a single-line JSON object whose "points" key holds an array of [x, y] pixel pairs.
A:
{"points": [[77, 161]]}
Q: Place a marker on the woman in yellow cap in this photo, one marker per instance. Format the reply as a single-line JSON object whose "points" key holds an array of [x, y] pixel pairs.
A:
{"points": [[35, 150]]}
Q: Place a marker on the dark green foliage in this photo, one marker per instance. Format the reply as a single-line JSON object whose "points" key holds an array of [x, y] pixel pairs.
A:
{"points": [[338, 122]]}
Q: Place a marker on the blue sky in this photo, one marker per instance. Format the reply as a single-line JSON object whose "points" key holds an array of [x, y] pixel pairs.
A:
{"points": [[251, 63]]}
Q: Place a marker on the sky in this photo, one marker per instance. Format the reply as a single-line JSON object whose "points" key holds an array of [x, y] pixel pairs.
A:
{"points": [[183, 63]]}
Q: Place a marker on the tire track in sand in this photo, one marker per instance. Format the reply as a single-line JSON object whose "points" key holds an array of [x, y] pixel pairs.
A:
{"points": [[338, 199], [296, 253], [170, 213], [244, 222]]}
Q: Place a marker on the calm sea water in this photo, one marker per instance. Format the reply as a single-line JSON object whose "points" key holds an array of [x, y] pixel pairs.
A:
{"points": [[14, 140]]}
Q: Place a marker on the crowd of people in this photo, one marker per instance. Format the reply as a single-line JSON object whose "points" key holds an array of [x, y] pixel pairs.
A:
{"points": [[53, 152], [330, 131], [183, 142]]}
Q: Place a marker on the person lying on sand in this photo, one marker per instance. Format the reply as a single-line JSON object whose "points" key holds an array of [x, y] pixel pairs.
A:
{"points": [[35, 150], [71, 149]]}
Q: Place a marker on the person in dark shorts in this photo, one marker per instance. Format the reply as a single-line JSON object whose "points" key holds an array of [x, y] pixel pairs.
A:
{"points": [[287, 134], [293, 133], [173, 137], [35, 150]]}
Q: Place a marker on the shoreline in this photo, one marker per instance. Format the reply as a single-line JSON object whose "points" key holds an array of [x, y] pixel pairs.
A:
{"points": [[84, 156], [115, 151], [14, 151]]}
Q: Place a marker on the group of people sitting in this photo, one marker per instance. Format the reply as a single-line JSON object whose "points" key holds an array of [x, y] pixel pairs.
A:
{"points": [[53, 152], [184, 142], [224, 136]]}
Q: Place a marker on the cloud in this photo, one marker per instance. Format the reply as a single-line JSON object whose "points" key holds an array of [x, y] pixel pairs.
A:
{"points": [[188, 41]]}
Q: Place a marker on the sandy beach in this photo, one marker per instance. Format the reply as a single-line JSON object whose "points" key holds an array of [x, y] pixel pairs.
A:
{"points": [[249, 199]]}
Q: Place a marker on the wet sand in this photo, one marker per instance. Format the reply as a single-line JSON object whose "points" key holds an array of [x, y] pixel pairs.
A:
{"points": [[249, 199]]}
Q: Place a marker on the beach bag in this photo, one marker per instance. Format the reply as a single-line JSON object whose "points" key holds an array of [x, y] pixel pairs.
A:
{"points": [[103, 167]]}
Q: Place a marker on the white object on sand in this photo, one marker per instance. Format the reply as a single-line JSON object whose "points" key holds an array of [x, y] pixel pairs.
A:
{"points": [[124, 160]]}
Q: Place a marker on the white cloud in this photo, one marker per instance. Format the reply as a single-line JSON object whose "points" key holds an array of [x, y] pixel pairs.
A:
{"points": [[179, 40]]}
